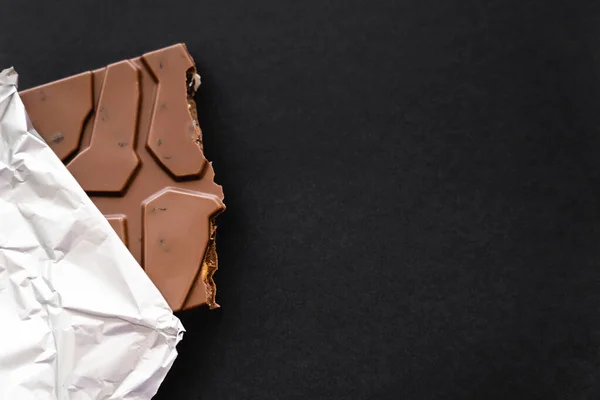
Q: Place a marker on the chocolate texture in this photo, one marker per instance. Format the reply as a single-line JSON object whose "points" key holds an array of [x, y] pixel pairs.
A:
{"points": [[130, 136]]}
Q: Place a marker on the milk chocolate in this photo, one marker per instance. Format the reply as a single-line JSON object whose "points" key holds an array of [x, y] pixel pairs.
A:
{"points": [[129, 134]]}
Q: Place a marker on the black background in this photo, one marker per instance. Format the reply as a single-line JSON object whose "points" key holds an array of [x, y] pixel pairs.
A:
{"points": [[413, 189]]}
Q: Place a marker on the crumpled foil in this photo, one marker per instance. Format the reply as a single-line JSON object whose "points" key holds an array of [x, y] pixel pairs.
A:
{"points": [[79, 318]]}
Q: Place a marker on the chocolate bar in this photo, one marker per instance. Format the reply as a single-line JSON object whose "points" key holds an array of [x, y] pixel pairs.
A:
{"points": [[129, 134]]}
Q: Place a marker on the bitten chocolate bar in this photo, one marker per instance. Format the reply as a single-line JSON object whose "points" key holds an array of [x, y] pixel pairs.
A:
{"points": [[129, 134]]}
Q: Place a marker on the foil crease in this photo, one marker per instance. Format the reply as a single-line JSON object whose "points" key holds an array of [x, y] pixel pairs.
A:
{"points": [[79, 318]]}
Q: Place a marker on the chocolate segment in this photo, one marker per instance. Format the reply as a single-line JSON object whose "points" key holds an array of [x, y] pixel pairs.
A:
{"points": [[167, 230], [179, 154], [110, 161], [129, 134], [58, 111], [119, 224]]}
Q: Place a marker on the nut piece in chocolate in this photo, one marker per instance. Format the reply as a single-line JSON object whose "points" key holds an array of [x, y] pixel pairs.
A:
{"points": [[129, 134]]}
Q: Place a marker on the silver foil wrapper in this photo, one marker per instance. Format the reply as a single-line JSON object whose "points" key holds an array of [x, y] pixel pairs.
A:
{"points": [[79, 318]]}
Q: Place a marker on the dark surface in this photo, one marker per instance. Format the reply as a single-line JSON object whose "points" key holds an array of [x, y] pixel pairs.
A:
{"points": [[413, 189]]}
